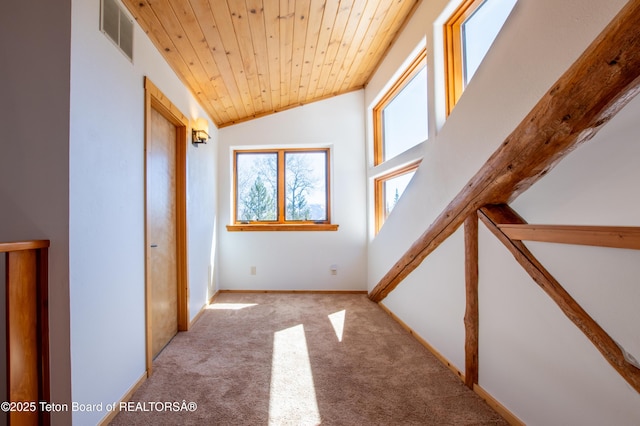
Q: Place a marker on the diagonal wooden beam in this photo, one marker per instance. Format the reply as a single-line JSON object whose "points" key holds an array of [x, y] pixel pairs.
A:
{"points": [[493, 216], [604, 79]]}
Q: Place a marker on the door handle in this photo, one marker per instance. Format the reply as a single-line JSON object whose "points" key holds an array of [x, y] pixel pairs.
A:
{"points": [[154, 245]]}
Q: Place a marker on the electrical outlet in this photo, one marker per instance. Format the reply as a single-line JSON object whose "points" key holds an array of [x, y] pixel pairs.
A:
{"points": [[253, 270], [334, 269]]}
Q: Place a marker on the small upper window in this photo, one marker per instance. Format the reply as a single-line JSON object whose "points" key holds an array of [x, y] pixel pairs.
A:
{"points": [[468, 35], [276, 187], [400, 118], [389, 189]]}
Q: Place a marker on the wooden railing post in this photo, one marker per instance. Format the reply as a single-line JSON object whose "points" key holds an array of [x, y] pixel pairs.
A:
{"points": [[22, 333], [471, 316], [27, 330]]}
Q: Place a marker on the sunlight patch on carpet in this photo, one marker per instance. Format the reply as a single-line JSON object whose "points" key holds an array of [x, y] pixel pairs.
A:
{"points": [[292, 398], [337, 321], [231, 306]]}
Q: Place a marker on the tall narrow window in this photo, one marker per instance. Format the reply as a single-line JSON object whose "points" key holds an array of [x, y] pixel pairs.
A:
{"points": [[400, 118], [468, 35], [275, 188]]}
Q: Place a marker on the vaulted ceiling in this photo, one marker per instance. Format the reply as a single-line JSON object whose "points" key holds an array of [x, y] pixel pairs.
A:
{"points": [[247, 58]]}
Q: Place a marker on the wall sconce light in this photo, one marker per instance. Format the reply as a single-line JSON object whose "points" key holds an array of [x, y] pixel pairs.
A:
{"points": [[200, 131]]}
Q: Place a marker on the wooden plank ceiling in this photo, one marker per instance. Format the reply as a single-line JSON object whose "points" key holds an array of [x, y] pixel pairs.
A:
{"points": [[243, 59]]}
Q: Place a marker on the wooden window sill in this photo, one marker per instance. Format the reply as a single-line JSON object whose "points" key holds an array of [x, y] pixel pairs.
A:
{"points": [[242, 227]]}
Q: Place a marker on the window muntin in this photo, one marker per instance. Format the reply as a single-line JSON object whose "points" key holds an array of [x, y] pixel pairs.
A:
{"points": [[400, 118], [281, 186], [468, 34], [388, 190]]}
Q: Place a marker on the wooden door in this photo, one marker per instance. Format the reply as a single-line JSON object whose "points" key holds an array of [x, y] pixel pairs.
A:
{"points": [[162, 234]]}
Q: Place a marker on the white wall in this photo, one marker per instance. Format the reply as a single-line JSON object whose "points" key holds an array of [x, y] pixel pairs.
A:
{"points": [[300, 260], [106, 235], [34, 154], [532, 359]]}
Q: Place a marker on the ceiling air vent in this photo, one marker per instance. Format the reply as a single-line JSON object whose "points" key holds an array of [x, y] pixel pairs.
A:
{"points": [[115, 23]]}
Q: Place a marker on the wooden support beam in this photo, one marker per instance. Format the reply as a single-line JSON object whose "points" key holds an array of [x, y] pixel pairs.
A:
{"points": [[471, 316], [500, 214], [627, 237], [604, 79]]}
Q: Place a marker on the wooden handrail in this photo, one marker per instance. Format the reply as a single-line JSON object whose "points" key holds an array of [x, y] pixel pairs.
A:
{"points": [[602, 81], [627, 237], [23, 245]]}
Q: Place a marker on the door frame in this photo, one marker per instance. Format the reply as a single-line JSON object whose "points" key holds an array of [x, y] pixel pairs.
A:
{"points": [[155, 99]]}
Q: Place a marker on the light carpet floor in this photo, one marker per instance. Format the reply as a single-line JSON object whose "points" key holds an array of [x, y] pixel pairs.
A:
{"points": [[301, 359]]}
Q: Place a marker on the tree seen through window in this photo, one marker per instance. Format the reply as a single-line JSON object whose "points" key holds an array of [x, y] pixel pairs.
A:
{"points": [[302, 180]]}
